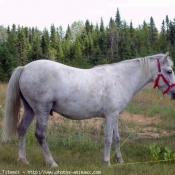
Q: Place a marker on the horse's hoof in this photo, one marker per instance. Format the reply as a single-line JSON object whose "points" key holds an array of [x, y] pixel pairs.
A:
{"points": [[120, 161], [107, 163], [23, 160], [54, 165]]}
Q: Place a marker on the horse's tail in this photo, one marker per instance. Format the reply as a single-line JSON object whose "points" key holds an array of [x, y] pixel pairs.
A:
{"points": [[12, 106]]}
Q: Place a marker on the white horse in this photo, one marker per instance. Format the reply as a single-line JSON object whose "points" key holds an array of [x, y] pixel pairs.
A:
{"points": [[104, 91]]}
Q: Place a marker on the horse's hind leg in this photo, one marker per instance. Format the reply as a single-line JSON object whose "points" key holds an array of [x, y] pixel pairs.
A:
{"points": [[116, 139], [22, 129], [40, 133]]}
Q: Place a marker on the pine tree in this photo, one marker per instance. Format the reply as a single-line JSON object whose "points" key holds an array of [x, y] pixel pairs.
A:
{"points": [[153, 30], [162, 39], [167, 22], [95, 35], [30, 35], [26, 33], [60, 33], [113, 38], [102, 28], [6, 65], [3, 34], [145, 38], [87, 27], [172, 33], [12, 43], [36, 50], [142, 40], [59, 52], [118, 19], [68, 34], [88, 45], [8, 54], [45, 44], [172, 38], [53, 37], [22, 47], [111, 23], [131, 30], [102, 39], [163, 29], [78, 60], [131, 41], [153, 35], [91, 28]]}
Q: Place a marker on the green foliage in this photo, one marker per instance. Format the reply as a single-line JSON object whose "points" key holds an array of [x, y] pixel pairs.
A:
{"points": [[167, 154], [1, 114], [156, 153], [84, 45]]}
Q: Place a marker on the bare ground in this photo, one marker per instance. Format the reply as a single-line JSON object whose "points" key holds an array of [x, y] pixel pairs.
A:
{"points": [[144, 127]]}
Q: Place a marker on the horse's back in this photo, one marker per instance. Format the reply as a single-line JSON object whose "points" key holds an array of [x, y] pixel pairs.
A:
{"points": [[68, 88], [49, 72], [41, 76]]}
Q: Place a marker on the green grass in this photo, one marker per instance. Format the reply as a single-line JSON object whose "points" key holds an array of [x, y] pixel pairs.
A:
{"points": [[3, 87], [148, 103], [80, 147], [86, 157], [1, 114], [74, 151]]}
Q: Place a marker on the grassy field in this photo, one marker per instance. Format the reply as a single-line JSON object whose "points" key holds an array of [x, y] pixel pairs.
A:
{"points": [[78, 149]]}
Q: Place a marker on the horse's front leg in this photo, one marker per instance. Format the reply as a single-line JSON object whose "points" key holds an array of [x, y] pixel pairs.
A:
{"points": [[110, 121], [116, 139]]}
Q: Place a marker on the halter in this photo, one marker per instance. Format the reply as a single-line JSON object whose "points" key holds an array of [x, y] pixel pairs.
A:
{"points": [[163, 78]]}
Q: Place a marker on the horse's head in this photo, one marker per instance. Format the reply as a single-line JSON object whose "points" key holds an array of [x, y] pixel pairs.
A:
{"points": [[163, 75]]}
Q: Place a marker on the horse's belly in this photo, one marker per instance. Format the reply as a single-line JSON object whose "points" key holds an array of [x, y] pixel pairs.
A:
{"points": [[78, 111]]}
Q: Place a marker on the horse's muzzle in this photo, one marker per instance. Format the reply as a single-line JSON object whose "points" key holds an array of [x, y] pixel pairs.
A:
{"points": [[173, 96]]}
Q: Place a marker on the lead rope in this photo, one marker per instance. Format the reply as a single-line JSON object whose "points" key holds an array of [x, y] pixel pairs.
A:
{"points": [[134, 163], [135, 131]]}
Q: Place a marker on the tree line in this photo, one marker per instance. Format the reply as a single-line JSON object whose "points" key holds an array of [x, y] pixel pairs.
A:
{"points": [[84, 44]]}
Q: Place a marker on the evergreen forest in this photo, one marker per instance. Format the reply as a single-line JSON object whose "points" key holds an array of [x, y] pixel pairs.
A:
{"points": [[84, 45]]}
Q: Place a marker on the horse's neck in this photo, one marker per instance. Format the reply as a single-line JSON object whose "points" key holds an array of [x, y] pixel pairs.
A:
{"points": [[136, 76]]}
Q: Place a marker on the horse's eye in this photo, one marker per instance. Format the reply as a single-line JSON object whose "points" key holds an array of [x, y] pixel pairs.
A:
{"points": [[169, 71]]}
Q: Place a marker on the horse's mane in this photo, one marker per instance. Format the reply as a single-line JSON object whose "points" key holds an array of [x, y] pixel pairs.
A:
{"points": [[144, 61], [147, 57]]}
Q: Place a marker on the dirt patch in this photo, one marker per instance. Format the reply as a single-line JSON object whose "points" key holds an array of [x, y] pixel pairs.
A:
{"points": [[139, 119], [89, 123], [144, 127]]}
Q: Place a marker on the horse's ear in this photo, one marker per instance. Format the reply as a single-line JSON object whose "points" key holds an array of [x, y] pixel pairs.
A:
{"points": [[165, 57]]}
